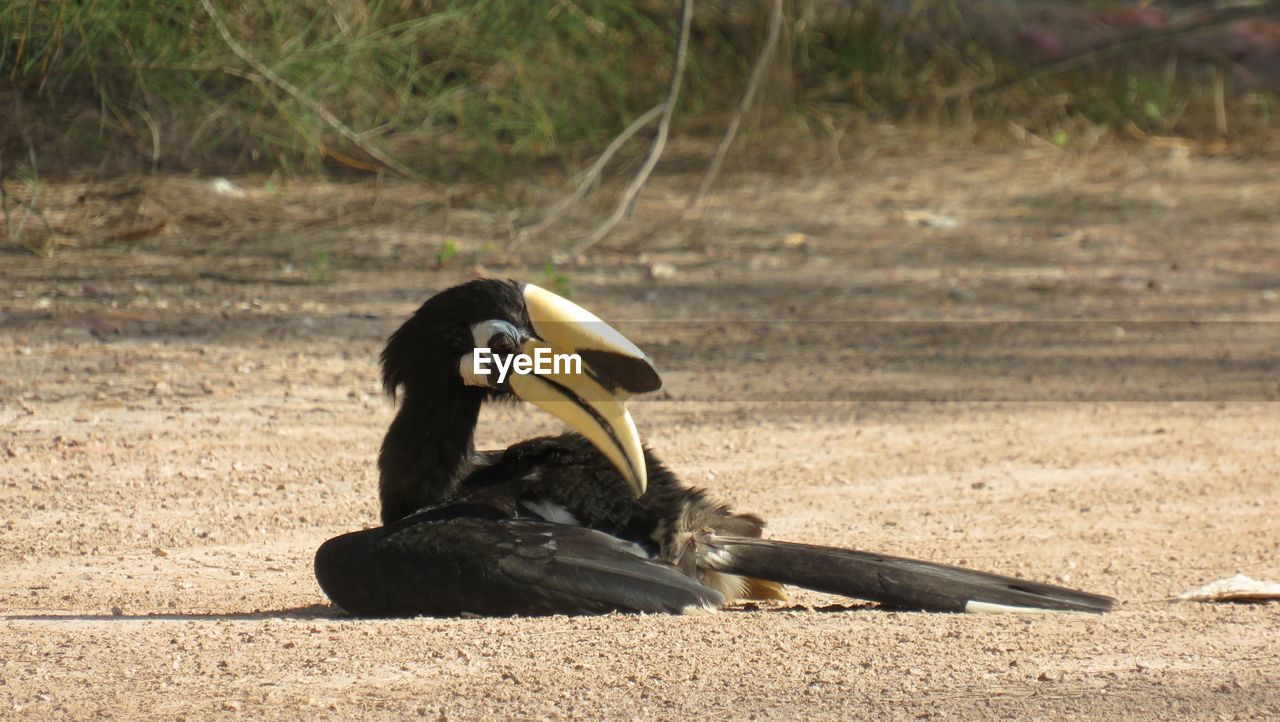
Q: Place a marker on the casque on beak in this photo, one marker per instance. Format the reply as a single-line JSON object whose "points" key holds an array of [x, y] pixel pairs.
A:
{"points": [[592, 402]]}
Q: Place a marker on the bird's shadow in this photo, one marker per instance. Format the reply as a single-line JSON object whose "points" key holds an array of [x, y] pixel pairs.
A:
{"points": [[311, 611], [325, 611], [753, 608]]}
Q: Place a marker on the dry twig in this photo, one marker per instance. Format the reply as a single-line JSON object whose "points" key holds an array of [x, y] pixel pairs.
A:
{"points": [[659, 141], [748, 97], [589, 179]]}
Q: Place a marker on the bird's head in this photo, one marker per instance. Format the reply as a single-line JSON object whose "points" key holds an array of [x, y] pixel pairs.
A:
{"points": [[507, 339]]}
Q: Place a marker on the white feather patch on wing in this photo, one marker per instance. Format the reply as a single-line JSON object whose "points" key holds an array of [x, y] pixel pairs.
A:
{"points": [[551, 511], [633, 548], [976, 607], [719, 558]]}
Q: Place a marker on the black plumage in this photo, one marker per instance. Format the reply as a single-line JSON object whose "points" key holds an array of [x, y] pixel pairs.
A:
{"points": [[456, 560], [551, 525]]}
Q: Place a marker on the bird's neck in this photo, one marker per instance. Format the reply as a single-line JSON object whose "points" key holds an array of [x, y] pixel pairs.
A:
{"points": [[427, 450]]}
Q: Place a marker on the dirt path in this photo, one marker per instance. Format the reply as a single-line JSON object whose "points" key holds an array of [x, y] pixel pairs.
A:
{"points": [[185, 415]]}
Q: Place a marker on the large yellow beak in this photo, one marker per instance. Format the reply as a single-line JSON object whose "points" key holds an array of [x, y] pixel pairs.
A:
{"points": [[590, 396]]}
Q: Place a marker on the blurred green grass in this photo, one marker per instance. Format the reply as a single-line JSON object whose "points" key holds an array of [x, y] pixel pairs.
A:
{"points": [[478, 88]]}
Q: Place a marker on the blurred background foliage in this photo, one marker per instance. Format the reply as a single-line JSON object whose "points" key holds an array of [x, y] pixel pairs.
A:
{"points": [[487, 87]]}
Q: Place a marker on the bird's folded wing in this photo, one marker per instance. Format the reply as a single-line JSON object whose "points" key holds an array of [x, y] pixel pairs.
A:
{"points": [[497, 567]]}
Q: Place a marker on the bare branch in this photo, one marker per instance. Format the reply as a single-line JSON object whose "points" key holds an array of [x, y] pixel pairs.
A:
{"points": [[659, 141], [589, 180], [748, 97]]}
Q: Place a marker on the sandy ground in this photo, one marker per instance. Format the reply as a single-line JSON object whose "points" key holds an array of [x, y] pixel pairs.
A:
{"points": [[188, 410]]}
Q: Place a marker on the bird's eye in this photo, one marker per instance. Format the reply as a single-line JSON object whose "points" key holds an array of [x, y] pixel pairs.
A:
{"points": [[502, 344]]}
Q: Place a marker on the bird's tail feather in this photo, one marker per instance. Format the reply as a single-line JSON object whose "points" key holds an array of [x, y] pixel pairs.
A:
{"points": [[895, 581]]}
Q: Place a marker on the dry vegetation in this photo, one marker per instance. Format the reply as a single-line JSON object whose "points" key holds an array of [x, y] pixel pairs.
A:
{"points": [[448, 88]]}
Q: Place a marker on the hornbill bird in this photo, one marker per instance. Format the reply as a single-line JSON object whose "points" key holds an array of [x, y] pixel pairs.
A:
{"points": [[588, 521]]}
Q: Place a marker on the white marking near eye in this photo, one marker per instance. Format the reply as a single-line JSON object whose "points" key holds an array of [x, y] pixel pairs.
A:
{"points": [[551, 511], [466, 369], [485, 330]]}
